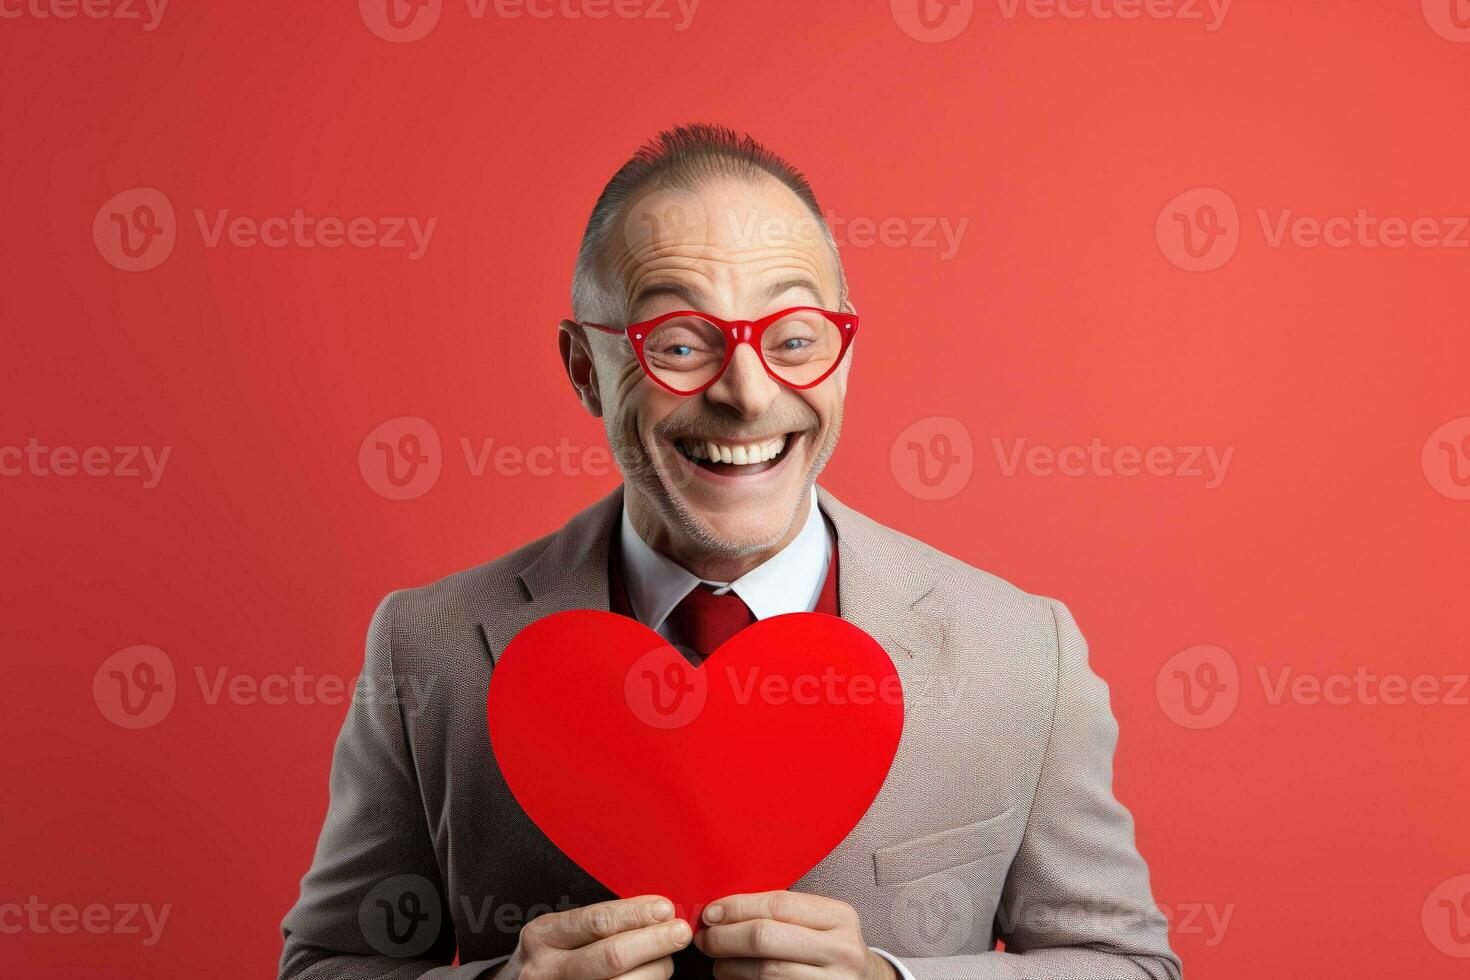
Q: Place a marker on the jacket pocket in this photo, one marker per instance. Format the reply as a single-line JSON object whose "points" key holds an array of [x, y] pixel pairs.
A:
{"points": [[940, 851]]}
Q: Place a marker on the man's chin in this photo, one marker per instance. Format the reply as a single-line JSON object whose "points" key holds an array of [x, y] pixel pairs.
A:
{"points": [[737, 521], [737, 539]]}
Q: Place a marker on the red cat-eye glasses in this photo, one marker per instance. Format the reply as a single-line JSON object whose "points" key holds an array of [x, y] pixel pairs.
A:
{"points": [[686, 351]]}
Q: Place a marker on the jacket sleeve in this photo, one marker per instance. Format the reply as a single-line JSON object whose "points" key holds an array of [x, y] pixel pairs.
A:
{"points": [[373, 904], [1076, 902]]}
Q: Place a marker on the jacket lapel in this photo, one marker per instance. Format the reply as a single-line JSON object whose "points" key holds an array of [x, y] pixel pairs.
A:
{"points": [[878, 589], [570, 573], [881, 590]]}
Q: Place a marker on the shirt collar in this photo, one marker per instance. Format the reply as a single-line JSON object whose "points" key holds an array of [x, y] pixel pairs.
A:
{"points": [[789, 581]]}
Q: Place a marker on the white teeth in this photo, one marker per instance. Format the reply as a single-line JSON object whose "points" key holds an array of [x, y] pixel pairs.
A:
{"points": [[736, 455]]}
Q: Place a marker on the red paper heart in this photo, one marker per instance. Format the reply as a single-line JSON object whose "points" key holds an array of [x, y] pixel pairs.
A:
{"points": [[658, 777]]}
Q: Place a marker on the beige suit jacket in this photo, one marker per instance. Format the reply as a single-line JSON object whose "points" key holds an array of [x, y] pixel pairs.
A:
{"points": [[997, 820]]}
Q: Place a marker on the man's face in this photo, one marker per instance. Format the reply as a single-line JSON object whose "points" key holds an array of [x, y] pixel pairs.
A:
{"points": [[736, 250]]}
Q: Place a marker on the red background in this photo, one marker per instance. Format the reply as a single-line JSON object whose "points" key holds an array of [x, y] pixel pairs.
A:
{"points": [[1320, 829]]}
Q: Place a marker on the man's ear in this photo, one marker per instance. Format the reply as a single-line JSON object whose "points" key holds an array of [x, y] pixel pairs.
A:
{"points": [[576, 357]]}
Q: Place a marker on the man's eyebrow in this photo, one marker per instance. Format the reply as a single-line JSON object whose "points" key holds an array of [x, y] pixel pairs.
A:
{"points": [[795, 282], [656, 289]]}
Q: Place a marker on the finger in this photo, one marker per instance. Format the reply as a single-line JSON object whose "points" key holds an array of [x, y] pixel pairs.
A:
{"points": [[657, 970], [768, 939], [616, 955], [798, 908], [746, 969], [576, 928]]}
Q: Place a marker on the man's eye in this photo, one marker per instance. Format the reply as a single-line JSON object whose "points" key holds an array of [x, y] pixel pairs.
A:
{"points": [[795, 343], [682, 350]]}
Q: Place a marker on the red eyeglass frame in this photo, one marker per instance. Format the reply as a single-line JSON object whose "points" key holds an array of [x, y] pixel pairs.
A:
{"points": [[741, 332]]}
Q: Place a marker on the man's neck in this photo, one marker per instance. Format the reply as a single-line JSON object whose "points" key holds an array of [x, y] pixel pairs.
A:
{"points": [[710, 564]]}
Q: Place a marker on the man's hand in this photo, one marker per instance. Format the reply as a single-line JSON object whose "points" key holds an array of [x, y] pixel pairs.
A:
{"points": [[788, 936], [631, 938]]}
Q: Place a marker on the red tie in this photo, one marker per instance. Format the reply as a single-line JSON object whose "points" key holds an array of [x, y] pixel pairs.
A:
{"points": [[701, 622], [704, 619]]}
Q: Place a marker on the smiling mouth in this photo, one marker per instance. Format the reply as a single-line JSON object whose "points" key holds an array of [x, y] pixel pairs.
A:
{"points": [[734, 458]]}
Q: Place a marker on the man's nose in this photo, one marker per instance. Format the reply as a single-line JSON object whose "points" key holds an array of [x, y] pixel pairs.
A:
{"points": [[745, 387]]}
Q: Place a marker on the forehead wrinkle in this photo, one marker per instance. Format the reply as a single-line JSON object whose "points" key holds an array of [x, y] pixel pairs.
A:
{"points": [[711, 272], [751, 302], [691, 283], [793, 282], [712, 263]]}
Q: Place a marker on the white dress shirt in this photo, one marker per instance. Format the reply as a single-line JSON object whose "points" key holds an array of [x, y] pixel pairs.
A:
{"points": [[789, 581]]}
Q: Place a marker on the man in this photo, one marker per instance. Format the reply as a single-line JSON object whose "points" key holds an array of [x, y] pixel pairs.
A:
{"points": [[714, 337]]}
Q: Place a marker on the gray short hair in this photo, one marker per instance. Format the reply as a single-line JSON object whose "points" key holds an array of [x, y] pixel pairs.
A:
{"points": [[678, 158]]}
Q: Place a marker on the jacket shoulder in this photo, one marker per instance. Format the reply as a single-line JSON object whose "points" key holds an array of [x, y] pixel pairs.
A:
{"points": [[476, 592], [464, 595], [966, 591]]}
